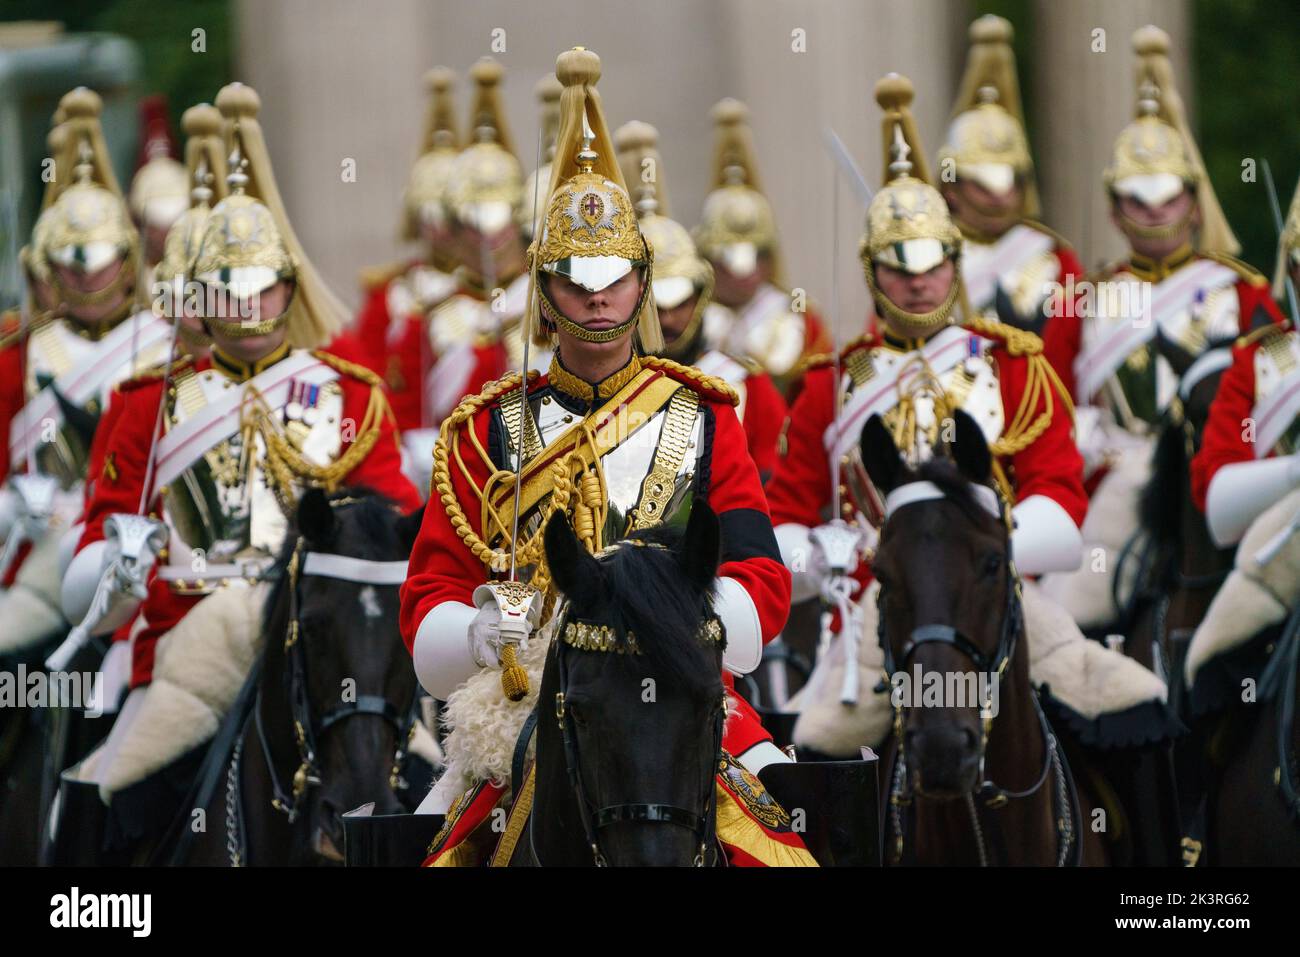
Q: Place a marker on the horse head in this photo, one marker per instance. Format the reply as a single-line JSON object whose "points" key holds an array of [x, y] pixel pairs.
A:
{"points": [[949, 609], [350, 687], [634, 673]]}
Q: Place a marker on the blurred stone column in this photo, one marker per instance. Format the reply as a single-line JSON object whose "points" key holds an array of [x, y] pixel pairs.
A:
{"points": [[1084, 98], [794, 97]]}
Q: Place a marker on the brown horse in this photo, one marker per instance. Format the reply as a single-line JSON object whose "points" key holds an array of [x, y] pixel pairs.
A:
{"points": [[985, 779]]}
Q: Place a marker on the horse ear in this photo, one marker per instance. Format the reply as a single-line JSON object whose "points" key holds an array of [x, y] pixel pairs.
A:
{"points": [[701, 548], [970, 450], [880, 456], [573, 569], [316, 517], [408, 527]]}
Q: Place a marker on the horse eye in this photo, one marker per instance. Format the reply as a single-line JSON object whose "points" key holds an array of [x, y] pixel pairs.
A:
{"points": [[992, 564]]}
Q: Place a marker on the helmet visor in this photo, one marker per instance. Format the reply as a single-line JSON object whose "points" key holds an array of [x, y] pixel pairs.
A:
{"points": [[913, 256], [671, 291], [1151, 189], [592, 273]]}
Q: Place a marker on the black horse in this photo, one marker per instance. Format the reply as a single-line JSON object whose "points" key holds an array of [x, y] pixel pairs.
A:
{"points": [[631, 705], [335, 667], [950, 604]]}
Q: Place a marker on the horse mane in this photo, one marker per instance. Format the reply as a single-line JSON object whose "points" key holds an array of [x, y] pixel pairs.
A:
{"points": [[1161, 499], [652, 599]]}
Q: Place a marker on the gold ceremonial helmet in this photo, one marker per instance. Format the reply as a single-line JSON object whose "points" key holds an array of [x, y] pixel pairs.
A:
{"points": [[485, 187], [205, 164], [160, 191], [248, 244], [86, 227], [679, 270], [438, 151], [548, 91], [1155, 157], [986, 140], [590, 234], [908, 223], [736, 225]]}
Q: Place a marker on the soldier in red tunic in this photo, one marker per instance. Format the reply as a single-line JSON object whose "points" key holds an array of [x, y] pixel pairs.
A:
{"points": [[995, 372], [1118, 345], [1011, 263], [752, 314], [594, 305], [244, 433], [1247, 460], [683, 285]]}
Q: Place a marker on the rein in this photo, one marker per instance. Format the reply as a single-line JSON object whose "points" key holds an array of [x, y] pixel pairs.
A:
{"points": [[307, 730]]}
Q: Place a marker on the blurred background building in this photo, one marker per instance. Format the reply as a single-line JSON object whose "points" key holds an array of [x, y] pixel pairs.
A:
{"points": [[340, 83]]}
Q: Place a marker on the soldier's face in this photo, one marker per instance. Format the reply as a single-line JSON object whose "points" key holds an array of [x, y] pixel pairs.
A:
{"points": [[734, 290], [91, 282], [917, 293], [675, 320], [500, 253], [271, 302], [982, 208], [1130, 209], [597, 312]]}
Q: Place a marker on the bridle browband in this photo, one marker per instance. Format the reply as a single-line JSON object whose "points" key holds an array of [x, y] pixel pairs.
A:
{"points": [[590, 636], [993, 665], [304, 563]]}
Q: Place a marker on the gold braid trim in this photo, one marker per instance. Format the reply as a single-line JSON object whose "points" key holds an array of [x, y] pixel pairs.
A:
{"points": [[1019, 342], [702, 382], [284, 463], [349, 368], [588, 505]]}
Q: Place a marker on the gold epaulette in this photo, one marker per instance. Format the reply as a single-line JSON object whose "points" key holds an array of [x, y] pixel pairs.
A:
{"points": [[1019, 342], [710, 386], [373, 277], [1262, 333], [815, 360], [356, 370], [1035, 225], [1247, 272], [154, 373]]}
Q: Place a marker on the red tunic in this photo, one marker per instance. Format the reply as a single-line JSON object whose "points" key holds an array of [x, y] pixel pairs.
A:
{"points": [[443, 569], [12, 397], [1063, 334], [1224, 439], [130, 442], [800, 490], [765, 413]]}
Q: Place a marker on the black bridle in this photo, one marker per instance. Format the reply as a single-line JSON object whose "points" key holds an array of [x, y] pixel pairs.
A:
{"points": [[307, 729], [594, 818], [994, 667]]}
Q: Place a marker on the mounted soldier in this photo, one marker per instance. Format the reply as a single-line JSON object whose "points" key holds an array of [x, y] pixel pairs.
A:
{"points": [[1011, 263], [1137, 327], [682, 288], [751, 315], [930, 358], [614, 438], [59, 366], [209, 459]]}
